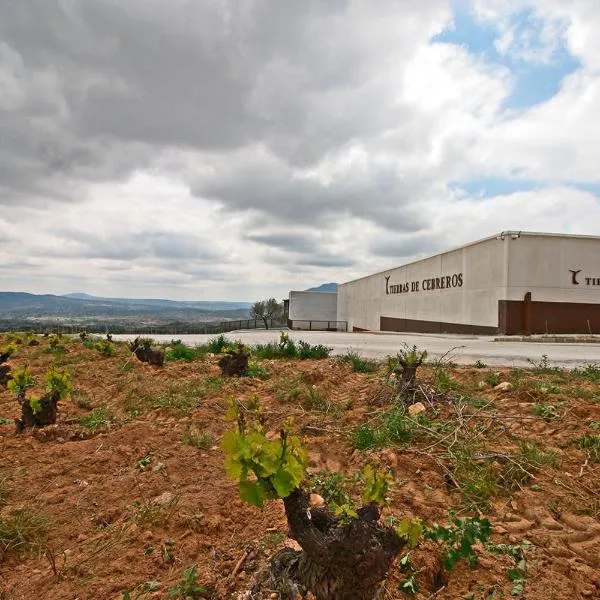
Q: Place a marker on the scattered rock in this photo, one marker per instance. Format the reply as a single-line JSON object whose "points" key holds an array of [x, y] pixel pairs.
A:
{"points": [[316, 500], [416, 409], [333, 465], [163, 499], [505, 386], [314, 458]]}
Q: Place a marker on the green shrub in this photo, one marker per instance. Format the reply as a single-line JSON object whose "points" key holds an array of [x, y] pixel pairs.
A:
{"points": [[21, 380], [218, 345], [306, 351], [177, 350], [365, 437], [255, 370], [492, 379], [359, 364], [105, 346]]}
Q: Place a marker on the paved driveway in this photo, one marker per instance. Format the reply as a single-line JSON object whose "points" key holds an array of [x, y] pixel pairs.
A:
{"points": [[463, 349]]}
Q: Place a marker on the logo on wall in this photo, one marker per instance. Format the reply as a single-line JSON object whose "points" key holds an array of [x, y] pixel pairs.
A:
{"points": [[588, 280], [446, 282]]}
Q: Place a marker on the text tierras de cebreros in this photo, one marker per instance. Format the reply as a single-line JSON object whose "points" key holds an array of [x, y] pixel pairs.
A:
{"points": [[446, 282]]}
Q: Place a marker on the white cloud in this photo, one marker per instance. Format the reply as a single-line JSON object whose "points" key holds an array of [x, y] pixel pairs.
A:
{"points": [[226, 150]]}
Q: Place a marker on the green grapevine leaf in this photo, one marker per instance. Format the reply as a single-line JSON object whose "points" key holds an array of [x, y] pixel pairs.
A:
{"points": [[36, 407], [252, 493], [410, 530], [283, 482]]}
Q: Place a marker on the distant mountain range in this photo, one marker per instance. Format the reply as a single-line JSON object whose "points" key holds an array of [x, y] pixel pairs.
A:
{"points": [[83, 310], [325, 287], [204, 305]]}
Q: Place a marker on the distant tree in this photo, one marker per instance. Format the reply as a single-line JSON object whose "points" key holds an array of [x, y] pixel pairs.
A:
{"points": [[267, 310]]}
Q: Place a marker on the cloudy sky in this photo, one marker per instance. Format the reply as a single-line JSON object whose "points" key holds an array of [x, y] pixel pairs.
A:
{"points": [[217, 149]]}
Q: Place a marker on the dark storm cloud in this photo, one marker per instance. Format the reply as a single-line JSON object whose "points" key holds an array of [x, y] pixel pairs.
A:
{"points": [[98, 87], [380, 194], [123, 246], [328, 261], [285, 241]]}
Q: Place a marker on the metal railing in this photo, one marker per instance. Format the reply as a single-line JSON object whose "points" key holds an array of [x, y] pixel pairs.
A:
{"points": [[317, 325], [174, 328]]}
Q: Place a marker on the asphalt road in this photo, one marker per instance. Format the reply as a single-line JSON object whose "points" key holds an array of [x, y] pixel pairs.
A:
{"points": [[462, 349]]}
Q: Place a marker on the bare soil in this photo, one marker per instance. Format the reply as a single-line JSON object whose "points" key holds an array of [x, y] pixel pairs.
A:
{"points": [[132, 504]]}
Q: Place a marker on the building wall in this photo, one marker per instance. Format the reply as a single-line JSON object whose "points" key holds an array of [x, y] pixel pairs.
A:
{"points": [[477, 275], [561, 301], [319, 307]]}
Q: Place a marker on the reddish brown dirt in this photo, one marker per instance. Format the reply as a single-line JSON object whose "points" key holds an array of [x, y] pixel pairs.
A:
{"points": [[93, 488]]}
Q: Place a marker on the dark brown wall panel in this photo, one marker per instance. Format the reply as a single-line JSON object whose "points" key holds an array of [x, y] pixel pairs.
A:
{"points": [[549, 317], [418, 326]]}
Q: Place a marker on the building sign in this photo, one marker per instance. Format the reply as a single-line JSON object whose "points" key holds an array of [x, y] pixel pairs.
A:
{"points": [[446, 282], [577, 279]]}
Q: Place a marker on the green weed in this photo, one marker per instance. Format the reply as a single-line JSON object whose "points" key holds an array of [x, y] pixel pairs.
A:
{"points": [[105, 347], [492, 379], [445, 383], [213, 383], [479, 365], [590, 372], [543, 366], [255, 370], [99, 418], [177, 350], [271, 540], [23, 530], [193, 436], [288, 391], [477, 480], [365, 437], [81, 399], [331, 486], [591, 444], [217, 345], [188, 587], [548, 412], [4, 490], [316, 352], [359, 364], [153, 513]]}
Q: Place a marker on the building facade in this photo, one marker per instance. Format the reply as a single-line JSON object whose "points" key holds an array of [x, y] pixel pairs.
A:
{"points": [[512, 283], [313, 311]]}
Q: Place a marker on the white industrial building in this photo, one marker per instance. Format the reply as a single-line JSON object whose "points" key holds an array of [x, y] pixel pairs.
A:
{"points": [[511, 283]]}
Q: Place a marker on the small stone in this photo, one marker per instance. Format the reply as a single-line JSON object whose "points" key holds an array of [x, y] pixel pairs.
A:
{"points": [[416, 409], [505, 386], [316, 500], [163, 499], [314, 458], [333, 465]]}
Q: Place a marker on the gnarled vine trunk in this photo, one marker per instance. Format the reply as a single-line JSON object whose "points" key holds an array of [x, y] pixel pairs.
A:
{"points": [[151, 356], [234, 365], [341, 559], [45, 416], [4, 375], [4, 369]]}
